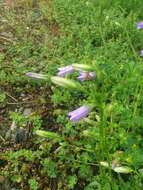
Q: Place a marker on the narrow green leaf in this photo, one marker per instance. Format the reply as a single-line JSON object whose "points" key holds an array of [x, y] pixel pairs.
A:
{"points": [[48, 134]]}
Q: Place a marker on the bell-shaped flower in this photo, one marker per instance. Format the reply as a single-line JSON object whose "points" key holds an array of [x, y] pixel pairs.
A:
{"points": [[79, 113], [140, 25], [83, 75], [65, 70]]}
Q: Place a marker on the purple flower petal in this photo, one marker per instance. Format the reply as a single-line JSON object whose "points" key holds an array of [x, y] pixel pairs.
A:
{"points": [[65, 70], [76, 111], [62, 73], [78, 116], [140, 25], [81, 78], [86, 76], [79, 113]]}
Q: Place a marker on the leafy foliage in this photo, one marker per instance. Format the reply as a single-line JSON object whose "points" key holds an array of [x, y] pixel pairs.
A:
{"points": [[102, 151]]}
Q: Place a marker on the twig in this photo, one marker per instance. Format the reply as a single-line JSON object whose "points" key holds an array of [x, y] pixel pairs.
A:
{"points": [[11, 97], [6, 39], [2, 138], [15, 103]]}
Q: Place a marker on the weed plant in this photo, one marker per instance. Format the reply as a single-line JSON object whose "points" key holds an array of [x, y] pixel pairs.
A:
{"points": [[103, 151]]}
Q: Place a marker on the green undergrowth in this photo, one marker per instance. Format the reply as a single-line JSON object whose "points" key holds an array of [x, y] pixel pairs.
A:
{"points": [[41, 36]]}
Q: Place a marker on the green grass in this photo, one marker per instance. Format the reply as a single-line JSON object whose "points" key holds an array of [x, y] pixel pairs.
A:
{"points": [[43, 36]]}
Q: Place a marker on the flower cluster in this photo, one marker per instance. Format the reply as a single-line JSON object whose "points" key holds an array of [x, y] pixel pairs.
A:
{"points": [[84, 110], [83, 75]]}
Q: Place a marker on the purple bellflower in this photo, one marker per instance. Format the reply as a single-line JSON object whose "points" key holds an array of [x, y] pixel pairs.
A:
{"points": [[141, 53], [79, 113], [65, 70], [86, 76], [140, 25]]}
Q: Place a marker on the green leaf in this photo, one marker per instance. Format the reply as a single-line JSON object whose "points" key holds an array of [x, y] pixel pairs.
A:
{"points": [[72, 180], [2, 97], [49, 167], [33, 184], [16, 178], [93, 185], [48, 134]]}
